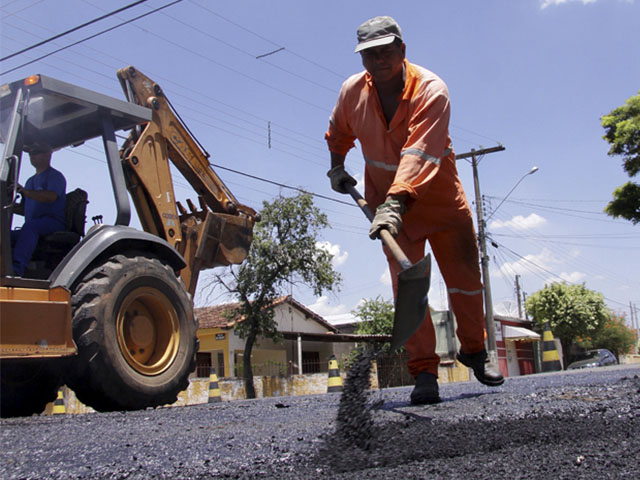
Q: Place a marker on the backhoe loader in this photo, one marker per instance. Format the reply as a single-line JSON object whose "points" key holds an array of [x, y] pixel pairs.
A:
{"points": [[109, 313]]}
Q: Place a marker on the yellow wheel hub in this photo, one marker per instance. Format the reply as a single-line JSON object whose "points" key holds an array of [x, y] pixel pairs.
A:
{"points": [[148, 331]]}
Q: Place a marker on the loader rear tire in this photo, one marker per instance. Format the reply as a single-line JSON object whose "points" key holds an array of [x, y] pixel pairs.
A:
{"points": [[134, 327], [27, 386]]}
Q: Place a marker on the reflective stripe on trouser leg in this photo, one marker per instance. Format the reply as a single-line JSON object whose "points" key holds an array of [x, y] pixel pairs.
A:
{"points": [[456, 252], [421, 347]]}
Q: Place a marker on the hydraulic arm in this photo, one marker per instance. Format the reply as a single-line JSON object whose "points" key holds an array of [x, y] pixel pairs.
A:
{"points": [[217, 233]]}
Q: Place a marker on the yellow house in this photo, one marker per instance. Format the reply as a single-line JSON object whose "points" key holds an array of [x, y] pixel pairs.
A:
{"points": [[309, 341]]}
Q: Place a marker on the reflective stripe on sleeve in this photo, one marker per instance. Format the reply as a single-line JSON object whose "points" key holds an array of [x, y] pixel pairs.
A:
{"points": [[382, 165], [413, 151], [425, 156], [464, 292]]}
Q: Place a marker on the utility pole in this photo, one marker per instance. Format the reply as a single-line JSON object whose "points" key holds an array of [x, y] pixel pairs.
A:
{"points": [[634, 324], [492, 349], [518, 295]]}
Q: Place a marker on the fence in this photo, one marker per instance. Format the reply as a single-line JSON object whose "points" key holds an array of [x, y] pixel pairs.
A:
{"points": [[392, 370], [282, 369]]}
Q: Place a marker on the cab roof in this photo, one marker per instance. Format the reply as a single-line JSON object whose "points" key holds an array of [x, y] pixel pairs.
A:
{"points": [[61, 114]]}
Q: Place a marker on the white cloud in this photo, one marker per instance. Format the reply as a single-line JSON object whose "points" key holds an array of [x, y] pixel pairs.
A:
{"points": [[360, 185], [547, 3], [520, 223], [523, 266], [322, 307], [334, 314], [334, 249], [506, 308], [385, 278], [543, 261], [573, 277]]}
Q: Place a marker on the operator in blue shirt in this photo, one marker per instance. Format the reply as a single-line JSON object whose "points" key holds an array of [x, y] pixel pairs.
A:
{"points": [[43, 198]]}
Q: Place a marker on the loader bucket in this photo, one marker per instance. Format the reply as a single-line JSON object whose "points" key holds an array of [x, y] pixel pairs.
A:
{"points": [[226, 240]]}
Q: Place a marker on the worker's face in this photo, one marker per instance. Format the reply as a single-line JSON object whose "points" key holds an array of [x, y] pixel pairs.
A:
{"points": [[384, 63], [40, 159]]}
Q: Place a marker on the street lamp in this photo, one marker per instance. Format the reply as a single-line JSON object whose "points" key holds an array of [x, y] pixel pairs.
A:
{"points": [[533, 170]]}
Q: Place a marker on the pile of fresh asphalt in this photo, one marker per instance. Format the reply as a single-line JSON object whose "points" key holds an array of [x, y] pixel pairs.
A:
{"points": [[568, 425], [509, 437]]}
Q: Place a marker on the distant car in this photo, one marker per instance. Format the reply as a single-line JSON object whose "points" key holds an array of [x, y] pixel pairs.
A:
{"points": [[600, 357]]}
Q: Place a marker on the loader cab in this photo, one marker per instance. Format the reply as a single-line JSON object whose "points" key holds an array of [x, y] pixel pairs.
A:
{"points": [[41, 109]]}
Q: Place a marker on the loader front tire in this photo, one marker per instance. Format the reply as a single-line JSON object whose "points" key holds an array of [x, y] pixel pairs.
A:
{"points": [[134, 327]]}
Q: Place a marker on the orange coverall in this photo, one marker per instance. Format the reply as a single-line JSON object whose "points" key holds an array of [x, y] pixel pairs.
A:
{"points": [[413, 155]]}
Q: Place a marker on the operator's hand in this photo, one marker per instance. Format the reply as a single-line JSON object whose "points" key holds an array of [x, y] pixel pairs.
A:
{"points": [[339, 177], [388, 217]]}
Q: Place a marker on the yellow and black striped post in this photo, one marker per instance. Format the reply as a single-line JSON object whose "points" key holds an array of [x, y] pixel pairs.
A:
{"points": [[58, 405], [550, 357], [335, 380], [214, 389]]}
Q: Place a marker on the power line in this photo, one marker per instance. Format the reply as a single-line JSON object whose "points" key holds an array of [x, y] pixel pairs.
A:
{"points": [[241, 27], [6, 15], [92, 36], [246, 53], [242, 119], [95, 20], [613, 236], [526, 204], [282, 185], [570, 259], [551, 273]]}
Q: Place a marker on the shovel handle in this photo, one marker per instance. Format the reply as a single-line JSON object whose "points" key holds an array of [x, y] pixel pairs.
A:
{"points": [[385, 236]]}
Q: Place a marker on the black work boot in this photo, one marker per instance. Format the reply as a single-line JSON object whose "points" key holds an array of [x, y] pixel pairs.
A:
{"points": [[426, 389], [482, 369]]}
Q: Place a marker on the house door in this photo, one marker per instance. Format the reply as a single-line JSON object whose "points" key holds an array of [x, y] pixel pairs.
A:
{"points": [[203, 364], [513, 368], [310, 362]]}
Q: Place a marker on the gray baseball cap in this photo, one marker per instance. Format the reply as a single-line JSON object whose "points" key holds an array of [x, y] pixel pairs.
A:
{"points": [[377, 31]]}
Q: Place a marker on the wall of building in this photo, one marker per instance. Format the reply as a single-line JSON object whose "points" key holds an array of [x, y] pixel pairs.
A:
{"points": [[290, 319], [214, 341], [515, 357], [265, 386], [267, 354]]}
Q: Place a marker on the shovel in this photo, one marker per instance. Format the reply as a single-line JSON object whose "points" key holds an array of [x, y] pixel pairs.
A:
{"points": [[413, 283]]}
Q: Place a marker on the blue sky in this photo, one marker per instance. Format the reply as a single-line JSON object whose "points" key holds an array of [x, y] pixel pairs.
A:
{"points": [[532, 75]]}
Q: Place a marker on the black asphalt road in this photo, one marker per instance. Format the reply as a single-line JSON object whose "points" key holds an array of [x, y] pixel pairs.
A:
{"points": [[582, 424]]}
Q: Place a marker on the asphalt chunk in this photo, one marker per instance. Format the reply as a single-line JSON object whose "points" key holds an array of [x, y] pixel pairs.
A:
{"points": [[354, 424]]}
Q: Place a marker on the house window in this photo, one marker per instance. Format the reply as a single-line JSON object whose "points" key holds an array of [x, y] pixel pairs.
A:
{"points": [[310, 362], [203, 364]]}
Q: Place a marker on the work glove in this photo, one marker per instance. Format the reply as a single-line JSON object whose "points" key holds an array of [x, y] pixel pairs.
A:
{"points": [[339, 177], [388, 217]]}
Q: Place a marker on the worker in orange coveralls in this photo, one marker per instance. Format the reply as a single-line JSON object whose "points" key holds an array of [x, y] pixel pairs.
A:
{"points": [[399, 112]]}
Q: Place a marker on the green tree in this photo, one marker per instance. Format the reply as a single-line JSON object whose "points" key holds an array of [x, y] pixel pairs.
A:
{"points": [[573, 312], [284, 252], [622, 131], [376, 317], [615, 336]]}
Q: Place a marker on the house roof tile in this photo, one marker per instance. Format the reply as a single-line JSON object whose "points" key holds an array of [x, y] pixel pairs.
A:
{"points": [[217, 316]]}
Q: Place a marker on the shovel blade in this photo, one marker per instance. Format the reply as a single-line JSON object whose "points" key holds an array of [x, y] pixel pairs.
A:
{"points": [[411, 301]]}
